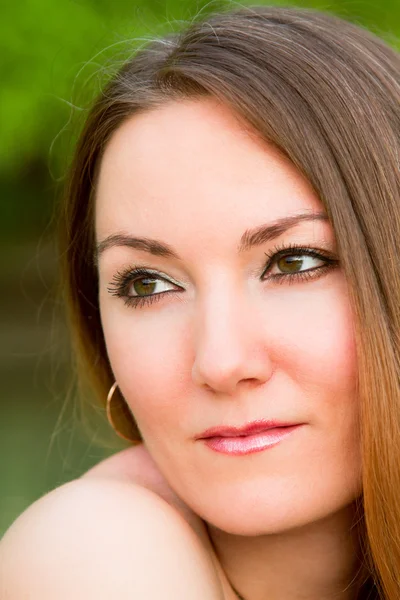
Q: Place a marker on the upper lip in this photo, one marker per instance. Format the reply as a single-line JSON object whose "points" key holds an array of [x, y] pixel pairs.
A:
{"points": [[248, 429]]}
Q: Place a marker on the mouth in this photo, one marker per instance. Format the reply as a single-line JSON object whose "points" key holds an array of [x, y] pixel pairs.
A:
{"points": [[252, 442]]}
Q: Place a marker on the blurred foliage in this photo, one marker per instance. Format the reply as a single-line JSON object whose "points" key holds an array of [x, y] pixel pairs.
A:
{"points": [[55, 55], [54, 58]]}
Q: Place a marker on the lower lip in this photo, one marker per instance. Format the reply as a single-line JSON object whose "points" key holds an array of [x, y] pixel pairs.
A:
{"points": [[249, 443]]}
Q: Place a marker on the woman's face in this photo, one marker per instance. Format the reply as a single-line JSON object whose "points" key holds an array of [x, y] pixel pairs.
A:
{"points": [[221, 341]]}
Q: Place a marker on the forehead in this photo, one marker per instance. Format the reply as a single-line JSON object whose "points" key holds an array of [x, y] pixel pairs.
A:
{"points": [[191, 164]]}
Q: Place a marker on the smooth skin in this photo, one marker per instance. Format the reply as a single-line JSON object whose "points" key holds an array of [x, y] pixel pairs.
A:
{"points": [[105, 539]]}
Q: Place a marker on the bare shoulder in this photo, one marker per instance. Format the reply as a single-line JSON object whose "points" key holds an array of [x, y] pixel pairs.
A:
{"points": [[135, 465], [104, 539]]}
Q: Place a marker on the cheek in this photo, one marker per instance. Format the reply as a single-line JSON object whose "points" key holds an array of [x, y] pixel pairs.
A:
{"points": [[315, 339], [147, 361], [320, 361]]}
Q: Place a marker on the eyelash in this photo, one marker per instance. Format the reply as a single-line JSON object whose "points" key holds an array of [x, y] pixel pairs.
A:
{"points": [[123, 280]]}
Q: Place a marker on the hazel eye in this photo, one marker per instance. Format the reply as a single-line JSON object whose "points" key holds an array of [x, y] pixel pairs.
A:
{"points": [[147, 286], [291, 260], [140, 287], [294, 263]]}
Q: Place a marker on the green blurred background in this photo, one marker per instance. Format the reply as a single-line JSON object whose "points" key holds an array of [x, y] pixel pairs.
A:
{"points": [[55, 55]]}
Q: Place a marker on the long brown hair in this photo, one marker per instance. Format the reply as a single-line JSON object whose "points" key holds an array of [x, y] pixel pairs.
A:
{"points": [[326, 93]]}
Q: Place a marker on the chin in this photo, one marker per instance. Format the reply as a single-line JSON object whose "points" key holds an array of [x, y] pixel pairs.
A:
{"points": [[258, 524], [267, 514]]}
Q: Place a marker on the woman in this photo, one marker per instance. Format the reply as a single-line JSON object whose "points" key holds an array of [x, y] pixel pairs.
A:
{"points": [[230, 244]]}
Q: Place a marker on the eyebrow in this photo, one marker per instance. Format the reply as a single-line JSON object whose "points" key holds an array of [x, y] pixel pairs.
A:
{"points": [[250, 238]]}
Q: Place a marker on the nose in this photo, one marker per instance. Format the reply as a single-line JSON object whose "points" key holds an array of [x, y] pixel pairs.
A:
{"points": [[230, 346]]}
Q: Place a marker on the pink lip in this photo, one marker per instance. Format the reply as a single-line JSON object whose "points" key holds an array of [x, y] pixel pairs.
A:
{"points": [[247, 444], [250, 428]]}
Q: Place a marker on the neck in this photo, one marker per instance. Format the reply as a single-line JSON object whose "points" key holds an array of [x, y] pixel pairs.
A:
{"points": [[319, 561]]}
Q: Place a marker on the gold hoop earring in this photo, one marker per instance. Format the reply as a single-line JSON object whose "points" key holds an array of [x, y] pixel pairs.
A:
{"points": [[120, 417]]}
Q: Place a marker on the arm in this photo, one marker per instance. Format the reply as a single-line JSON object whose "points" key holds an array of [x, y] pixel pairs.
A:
{"points": [[102, 540]]}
